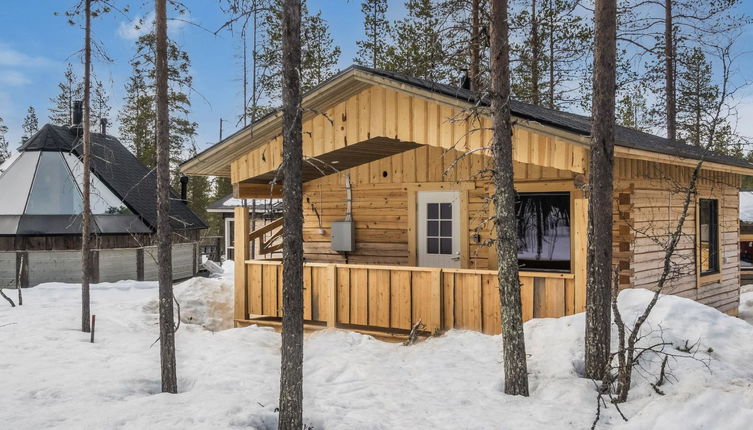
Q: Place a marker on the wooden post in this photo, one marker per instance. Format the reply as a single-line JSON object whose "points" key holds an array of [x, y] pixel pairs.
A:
{"points": [[332, 288], [580, 241], [435, 320], [242, 230]]}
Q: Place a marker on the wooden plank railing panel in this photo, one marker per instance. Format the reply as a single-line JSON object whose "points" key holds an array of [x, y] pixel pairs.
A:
{"points": [[343, 294], [491, 317], [359, 296], [400, 299], [396, 297], [307, 292], [255, 283], [421, 296], [379, 298], [269, 303]]}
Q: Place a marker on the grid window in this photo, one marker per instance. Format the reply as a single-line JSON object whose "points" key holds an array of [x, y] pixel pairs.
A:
{"points": [[439, 228]]}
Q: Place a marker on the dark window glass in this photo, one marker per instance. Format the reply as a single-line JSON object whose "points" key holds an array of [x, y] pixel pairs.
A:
{"points": [[446, 210], [439, 228], [446, 246], [432, 210], [432, 245], [543, 231], [708, 221]]}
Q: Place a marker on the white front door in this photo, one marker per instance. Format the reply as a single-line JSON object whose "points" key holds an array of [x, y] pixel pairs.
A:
{"points": [[438, 229]]}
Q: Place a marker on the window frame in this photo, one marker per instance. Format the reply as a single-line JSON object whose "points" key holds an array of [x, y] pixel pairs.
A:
{"points": [[569, 193], [714, 273]]}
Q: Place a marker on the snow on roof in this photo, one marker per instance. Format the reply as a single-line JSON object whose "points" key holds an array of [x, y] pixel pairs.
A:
{"points": [[746, 206]]}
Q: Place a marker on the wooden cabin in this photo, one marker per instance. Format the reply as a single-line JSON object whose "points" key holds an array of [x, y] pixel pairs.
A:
{"points": [[396, 206]]}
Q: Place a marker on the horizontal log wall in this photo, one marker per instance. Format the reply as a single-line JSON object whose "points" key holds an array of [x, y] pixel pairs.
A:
{"points": [[381, 198], [648, 203], [394, 298]]}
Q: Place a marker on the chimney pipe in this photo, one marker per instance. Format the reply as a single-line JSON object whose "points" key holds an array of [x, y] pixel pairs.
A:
{"points": [[184, 189], [103, 125], [78, 114]]}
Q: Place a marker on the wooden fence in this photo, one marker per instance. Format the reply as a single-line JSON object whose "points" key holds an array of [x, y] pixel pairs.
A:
{"points": [[391, 299]]}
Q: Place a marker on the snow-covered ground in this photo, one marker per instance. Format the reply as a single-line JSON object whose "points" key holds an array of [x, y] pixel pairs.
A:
{"points": [[52, 377]]}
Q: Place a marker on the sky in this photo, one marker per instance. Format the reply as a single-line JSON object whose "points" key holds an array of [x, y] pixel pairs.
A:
{"points": [[35, 46]]}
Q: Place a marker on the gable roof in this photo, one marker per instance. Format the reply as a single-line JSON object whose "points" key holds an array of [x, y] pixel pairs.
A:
{"points": [[121, 171], [355, 78]]}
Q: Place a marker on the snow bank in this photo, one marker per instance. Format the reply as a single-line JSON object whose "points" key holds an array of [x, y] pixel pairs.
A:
{"points": [[205, 302], [746, 306], [53, 378]]}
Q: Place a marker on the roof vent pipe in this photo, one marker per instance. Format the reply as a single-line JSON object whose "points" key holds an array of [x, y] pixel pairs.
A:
{"points": [[103, 125], [78, 114], [184, 189]]}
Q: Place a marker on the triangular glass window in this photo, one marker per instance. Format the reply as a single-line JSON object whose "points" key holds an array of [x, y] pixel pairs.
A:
{"points": [[103, 200], [16, 182], [54, 191]]}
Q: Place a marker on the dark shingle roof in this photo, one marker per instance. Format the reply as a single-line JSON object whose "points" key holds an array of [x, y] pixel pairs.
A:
{"points": [[578, 124], [120, 170]]}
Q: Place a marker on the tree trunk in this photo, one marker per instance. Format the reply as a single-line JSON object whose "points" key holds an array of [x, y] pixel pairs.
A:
{"points": [[475, 69], [599, 259], [86, 263], [535, 56], [291, 372], [669, 71], [551, 55], [164, 230], [514, 349]]}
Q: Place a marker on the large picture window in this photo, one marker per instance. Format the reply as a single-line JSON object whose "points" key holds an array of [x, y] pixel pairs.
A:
{"points": [[543, 231], [708, 224]]}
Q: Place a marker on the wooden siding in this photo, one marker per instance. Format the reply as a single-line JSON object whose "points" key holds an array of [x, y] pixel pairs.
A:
{"points": [[648, 203], [380, 112]]}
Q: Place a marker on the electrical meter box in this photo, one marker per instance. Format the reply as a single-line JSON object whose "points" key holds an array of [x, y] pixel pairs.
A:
{"points": [[343, 236]]}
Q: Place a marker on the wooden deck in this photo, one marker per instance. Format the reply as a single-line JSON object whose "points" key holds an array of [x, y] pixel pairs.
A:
{"points": [[389, 300]]}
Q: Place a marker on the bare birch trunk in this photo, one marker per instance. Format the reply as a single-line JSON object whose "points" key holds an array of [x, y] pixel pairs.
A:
{"points": [[164, 230], [516, 372], [291, 372], [86, 263], [599, 259]]}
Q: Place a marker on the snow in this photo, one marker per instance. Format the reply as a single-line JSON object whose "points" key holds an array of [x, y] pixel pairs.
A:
{"points": [[746, 303], [52, 377], [206, 302], [746, 206]]}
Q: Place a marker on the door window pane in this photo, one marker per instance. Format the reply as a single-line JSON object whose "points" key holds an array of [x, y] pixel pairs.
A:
{"points": [[543, 231], [709, 235], [439, 228]]}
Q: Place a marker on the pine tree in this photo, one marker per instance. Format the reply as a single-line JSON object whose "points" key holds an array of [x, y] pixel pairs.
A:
{"points": [[71, 89], [632, 108], [599, 253], [371, 50], [697, 97], [199, 191], [100, 105], [138, 115], [30, 124], [291, 366], [551, 54], [4, 151], [418, 50], [319, 54], [137, 119]]}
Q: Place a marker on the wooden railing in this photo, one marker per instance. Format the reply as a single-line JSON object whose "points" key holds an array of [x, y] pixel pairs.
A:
{"points": [[392, 299], [269, 236]]}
